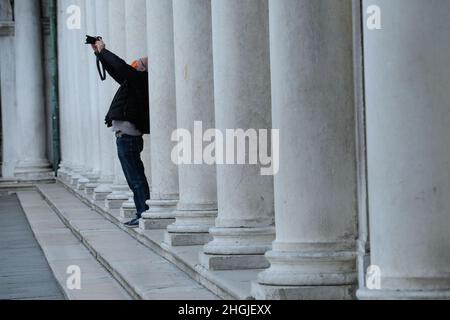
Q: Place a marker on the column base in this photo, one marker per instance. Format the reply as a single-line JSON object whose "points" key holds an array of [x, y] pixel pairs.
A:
{"points": [[154, 223], [240, 241], [118, 196], [101, 192], [34, 176], [186, 239], [190, 228], [193, 221], [89, 188], [113, 202], [128, 209], [73, 180], [64, 174], [90, 179], [33, 170], [367, 294], [265, 292], [309, 268], [62, 171], [160, 215], [82, 182], [233, 262]]}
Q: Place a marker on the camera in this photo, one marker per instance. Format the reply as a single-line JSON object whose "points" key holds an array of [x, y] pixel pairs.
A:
{"points": [[92, 40], [100, 67]]}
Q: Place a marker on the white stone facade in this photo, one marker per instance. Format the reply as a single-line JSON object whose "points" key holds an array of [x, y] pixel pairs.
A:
{"points": [[362, 112]]}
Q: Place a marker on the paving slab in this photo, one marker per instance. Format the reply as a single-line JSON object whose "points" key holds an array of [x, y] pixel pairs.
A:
{"points": [[24, 271]]}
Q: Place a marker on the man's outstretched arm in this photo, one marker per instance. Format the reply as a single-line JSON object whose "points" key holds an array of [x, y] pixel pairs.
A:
{"points": [[116, 67]]}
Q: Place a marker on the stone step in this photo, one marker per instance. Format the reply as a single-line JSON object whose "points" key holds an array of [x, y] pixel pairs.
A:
{"points": [[63, 250], [230, 285], [144, 273], [8, 186]]}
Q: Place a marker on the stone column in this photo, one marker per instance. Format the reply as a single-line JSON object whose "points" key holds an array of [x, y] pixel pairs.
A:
{"points": [[62, 85], [94, 120], [105, 95], [408, 138], [72, 140], [8, 97], [65, 94], [117, 44], [197, 207], [363, 244], [135, 46], [30, 114], [164, 173], [69, 101], [75, 120], [83, 53], [244, 229], [47, 66], [314, 254]]}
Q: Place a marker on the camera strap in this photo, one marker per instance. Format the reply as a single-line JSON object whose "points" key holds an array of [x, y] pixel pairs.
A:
{"points": [[101, 70]]}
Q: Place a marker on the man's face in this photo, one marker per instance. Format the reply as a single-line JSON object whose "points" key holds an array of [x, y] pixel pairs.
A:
{"points": [[141, 64]]}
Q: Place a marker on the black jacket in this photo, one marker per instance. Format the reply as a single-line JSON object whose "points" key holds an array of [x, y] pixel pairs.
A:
{"points": [[131, 102]]}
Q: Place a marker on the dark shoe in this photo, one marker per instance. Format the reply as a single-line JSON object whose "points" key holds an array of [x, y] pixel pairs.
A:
{"points": [[133, 223]]}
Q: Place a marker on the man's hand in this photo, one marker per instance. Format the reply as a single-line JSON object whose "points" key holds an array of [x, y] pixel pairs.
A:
{"points": [[98, 46]]}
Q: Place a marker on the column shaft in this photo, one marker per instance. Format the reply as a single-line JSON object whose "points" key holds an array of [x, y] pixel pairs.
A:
{"points": [[94, 121], [66, 93], [244, 227], [117, 44], [30, 92], [83, 53], [62, 79], [408, 134], [164, 173], [76, 137], [197, 207], [314, 254], [107, 145]]}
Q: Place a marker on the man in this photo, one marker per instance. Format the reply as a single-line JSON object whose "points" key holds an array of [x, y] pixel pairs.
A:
{"points": [[129, 118]]}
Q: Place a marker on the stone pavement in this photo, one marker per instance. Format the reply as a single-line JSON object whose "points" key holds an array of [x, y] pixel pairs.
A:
{"points": [[229, 284], [24, 271], [142, 272]]}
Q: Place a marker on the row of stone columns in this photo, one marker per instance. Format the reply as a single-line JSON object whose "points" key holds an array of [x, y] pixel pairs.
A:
{"points": [[287, 65], [91, 164]]}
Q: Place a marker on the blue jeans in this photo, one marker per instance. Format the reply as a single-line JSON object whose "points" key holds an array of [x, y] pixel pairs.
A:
{"points": [[129, 149]]}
